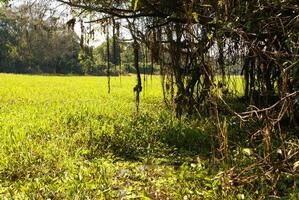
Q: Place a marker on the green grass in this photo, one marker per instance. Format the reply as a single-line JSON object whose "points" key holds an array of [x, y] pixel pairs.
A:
{"points": [[234, 83], [66, 138]]}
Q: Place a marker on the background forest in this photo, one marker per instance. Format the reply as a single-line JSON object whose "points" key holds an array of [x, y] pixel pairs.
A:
{"points": [[35, 39]]}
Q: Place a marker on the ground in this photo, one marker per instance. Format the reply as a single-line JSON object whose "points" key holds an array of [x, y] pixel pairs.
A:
{"points": [[65, 137]]}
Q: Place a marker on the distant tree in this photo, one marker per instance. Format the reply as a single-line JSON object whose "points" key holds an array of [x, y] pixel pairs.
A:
{"points": [[36, 41], [124, 50]]}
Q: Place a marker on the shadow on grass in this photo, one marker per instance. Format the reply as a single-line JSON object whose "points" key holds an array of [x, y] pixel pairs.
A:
{"points": [[147, 137]]}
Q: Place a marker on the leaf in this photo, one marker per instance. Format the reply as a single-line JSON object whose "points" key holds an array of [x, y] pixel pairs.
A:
{"points": [[195, 16], [279, 151], [135, 4], [247, 151], [240, 196], [210, 36]]}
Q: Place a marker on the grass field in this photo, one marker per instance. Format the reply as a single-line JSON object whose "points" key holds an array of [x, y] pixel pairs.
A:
{"points": [[66, 138]]}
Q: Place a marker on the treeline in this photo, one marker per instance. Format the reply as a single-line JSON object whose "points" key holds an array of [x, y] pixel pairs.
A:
{"points": [[121, 58], [34, 39]]}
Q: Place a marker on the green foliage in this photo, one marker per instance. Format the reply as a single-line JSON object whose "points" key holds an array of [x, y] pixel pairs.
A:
{"points": [[135, 4], [101, 53], [195, 16], [127, 59], [30, 44]]}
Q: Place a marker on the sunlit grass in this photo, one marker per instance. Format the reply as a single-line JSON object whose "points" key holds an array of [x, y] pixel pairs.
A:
{"points": [[45, 124], [234, 83], [67, 138]]}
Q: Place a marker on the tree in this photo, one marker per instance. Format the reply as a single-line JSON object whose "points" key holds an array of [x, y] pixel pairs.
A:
{"points": [[36, 41], [187, 37], [7, 36]]}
